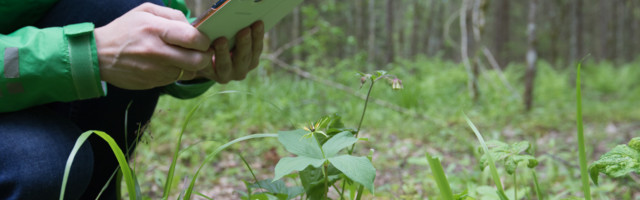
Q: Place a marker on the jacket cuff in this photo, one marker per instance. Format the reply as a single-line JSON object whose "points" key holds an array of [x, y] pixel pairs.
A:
{"points": [[182, 90], [83, 61]]}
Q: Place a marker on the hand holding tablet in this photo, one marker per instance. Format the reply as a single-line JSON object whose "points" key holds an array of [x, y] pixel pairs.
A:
{"points": [[227, 17]]}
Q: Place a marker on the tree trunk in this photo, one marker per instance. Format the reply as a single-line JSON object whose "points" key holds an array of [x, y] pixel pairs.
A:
{"points": [[635, 26], [577, 32], [532, 57], [501, 31], [295, 32], [465, 45], [415, 35], [435, 28], [620, 32], [389, 45], [359, 18], [372, 35]]}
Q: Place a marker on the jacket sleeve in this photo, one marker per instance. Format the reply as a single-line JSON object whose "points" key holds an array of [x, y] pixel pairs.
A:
{"points": [[39, 66], [188, 89]]}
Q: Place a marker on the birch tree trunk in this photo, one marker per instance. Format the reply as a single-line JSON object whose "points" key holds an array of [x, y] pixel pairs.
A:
{"points": [[465, 45], [532, 56]]}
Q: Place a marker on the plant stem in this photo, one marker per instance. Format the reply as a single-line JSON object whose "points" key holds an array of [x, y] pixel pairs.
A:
{"points": [[360, 191], [364, 110], [326, 181], [581, 146], [515, 185], [353, 146], [337, 189], [344, 184]]}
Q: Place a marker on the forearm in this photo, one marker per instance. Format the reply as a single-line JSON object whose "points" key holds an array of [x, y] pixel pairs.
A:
{"points": [[48, 65]]}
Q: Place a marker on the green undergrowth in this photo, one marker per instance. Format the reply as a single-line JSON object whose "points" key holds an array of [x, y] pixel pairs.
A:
{"points": [[271, 100]]}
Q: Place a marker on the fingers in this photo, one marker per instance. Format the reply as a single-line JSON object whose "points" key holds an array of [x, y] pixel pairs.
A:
{"points": [[242, 54], [222, 63], [161, 11], [257, 34], [183, 35], [184, 58]]}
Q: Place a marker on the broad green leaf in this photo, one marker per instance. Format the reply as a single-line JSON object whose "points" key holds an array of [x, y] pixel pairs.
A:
{"points": [[296, 143], [337, 143], [278, 187], [618, 162], [358, 169], [289, 164], [313, 181]]}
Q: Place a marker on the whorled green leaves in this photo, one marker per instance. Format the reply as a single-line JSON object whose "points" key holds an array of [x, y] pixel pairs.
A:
{"points": [[309, 153], [620, 161], [275, 189], [510, 155]]}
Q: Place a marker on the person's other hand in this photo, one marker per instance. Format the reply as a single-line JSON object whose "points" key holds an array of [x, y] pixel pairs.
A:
{"points": [[245, 57], [150, 46]]}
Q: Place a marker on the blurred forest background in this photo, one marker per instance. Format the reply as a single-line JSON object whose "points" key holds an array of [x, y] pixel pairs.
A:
{"points": [[508, 64], [388, 30]]}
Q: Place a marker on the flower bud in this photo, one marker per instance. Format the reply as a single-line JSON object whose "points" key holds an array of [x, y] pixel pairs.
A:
{"points": [[396, 84]]}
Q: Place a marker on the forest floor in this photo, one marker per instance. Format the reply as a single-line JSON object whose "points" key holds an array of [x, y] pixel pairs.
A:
{"points": [[271, 100]]}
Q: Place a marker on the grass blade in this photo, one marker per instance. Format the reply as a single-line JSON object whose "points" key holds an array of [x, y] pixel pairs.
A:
{"points": [[122, 161], [537, 185], [492, 164], [203, 196], [170, 174], [213, 154], [584, 174], [440, 176]]}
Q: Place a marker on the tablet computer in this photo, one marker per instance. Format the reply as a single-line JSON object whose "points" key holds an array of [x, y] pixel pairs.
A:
{"points": [[226, 17]]}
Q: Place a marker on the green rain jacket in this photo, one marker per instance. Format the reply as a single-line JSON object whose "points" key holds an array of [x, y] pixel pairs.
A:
{"points": [[39, 66]]}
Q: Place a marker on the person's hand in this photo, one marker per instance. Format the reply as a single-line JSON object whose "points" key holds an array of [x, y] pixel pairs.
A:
{"points": [[228, 66], [150, 46]]}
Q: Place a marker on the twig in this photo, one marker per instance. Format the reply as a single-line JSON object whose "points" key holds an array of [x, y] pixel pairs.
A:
{"points": [[563, 161], [496, 66], [294, 42]]}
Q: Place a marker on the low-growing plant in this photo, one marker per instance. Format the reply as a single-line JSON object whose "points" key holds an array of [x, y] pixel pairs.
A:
{"points": [[621, 161], [318, 161], [511, 155]]}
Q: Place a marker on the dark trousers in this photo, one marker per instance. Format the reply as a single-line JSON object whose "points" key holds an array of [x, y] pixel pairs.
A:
{"points": [[35, 143]]}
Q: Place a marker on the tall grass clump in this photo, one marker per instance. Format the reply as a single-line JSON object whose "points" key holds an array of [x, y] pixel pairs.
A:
{"points": [[584, 174]]}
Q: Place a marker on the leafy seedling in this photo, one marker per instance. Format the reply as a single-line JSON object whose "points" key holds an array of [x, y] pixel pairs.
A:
{"points": [[311, 153], [620, 161], [510, 156]]}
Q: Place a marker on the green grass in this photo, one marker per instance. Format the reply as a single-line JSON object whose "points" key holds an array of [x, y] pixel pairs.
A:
{"points": [[584, 174], [436, 88]]}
